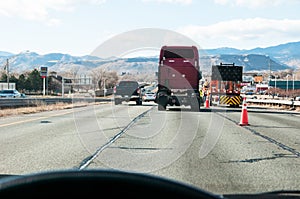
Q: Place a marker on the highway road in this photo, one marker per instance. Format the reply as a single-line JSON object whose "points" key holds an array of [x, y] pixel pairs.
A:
{"points": [[208, 149]]}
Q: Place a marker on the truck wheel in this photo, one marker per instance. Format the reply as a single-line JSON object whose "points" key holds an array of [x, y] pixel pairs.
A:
{"points": [[139, 102], [117, 101], [161, 107], [195, 105]]}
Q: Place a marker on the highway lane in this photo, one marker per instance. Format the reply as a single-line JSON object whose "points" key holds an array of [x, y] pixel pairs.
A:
{"points": [[207, 149], [36, 142], [276, 126], [50, 140], [224, 157]]}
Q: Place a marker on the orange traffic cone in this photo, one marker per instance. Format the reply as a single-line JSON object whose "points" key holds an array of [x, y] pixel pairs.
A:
{"points": [[206, 103], [244, 115]]}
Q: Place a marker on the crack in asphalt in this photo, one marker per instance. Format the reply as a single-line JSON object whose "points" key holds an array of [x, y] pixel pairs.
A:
{"points": [[271, 140], [142, 148], [253, 160], [88, 160]]}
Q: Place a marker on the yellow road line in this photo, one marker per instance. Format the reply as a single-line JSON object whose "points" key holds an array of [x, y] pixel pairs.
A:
{"points": [[33, 119]]}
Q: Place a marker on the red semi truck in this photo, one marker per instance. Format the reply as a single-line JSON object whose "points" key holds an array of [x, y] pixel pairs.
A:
{"points": [[178, 77]]}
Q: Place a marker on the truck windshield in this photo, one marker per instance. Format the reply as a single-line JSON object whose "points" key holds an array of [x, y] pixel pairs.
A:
{"points": [[179, 53]]}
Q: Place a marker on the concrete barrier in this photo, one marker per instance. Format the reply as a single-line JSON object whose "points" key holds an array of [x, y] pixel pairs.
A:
{"points": [[28, 102]]}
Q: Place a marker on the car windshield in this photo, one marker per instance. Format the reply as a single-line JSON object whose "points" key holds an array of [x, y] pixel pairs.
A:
{"points": [[7, 91], [216, 90]]}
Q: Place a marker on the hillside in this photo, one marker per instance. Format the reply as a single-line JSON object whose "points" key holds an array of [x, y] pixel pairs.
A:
{"points": [[281, 57]]}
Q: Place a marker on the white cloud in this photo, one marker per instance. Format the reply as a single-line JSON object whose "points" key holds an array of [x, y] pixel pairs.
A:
{"points": [[40, 10], [244, 33], [255, 3], [53, 22], [185, 2]]}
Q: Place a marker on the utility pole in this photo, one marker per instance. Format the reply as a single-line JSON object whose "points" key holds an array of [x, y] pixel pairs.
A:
{"points": [[287, 84], [104, 89], [7, 66], [275, 85], [293, 83], [62, 87], [7, 72], [269, 70]]}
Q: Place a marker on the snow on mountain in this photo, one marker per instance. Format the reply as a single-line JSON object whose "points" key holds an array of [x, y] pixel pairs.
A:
{"points": [[280, 57]]}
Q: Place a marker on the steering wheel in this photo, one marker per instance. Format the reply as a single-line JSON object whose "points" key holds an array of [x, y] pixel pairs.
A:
{"points": [[84, 183]]}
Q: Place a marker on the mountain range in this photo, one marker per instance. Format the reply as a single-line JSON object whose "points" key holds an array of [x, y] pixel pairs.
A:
{"points": [[280, 57]]}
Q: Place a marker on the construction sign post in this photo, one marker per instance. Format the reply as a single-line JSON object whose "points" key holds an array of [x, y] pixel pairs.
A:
{"points": [[225, 84], [43, 74]]}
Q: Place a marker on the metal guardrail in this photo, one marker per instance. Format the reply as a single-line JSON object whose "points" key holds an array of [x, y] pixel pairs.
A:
{"points": [[275, 102], [27, 102]]}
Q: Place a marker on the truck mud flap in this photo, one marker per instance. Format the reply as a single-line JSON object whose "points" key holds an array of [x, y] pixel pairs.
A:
{"points": [[161, 107], [118, 101], [162, 102], [139, 101], [195, 104]]}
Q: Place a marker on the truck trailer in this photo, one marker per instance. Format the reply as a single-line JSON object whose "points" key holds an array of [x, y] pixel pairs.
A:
{"points": [[178, 77]]}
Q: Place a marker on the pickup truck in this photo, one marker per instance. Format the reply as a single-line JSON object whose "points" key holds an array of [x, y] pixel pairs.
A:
{"points": [[127, 90]]}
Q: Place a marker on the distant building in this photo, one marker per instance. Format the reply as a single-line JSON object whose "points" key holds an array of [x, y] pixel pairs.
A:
{"points": [[247, 78], [57, 81], [4, 85], [258, 79], [284, 84], [261, 88]]}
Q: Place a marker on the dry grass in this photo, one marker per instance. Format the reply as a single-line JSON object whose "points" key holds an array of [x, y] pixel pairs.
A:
{"points": [[40, 108]]}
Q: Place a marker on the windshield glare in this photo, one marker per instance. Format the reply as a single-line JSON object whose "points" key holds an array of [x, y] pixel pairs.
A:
{"points": [[205, 93]]}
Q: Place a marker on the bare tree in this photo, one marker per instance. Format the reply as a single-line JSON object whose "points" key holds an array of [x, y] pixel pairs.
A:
{"points": [[142, 77], [97, 77], [111, 79]]}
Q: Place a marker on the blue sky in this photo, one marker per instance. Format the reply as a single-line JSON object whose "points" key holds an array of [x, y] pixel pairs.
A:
{"points": [[77, 27]]}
